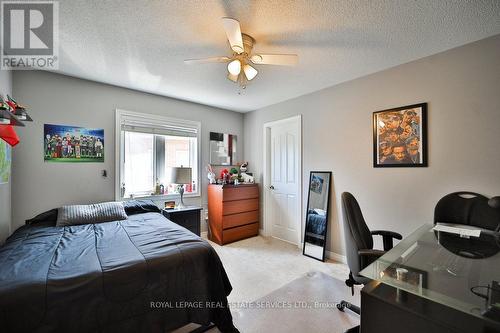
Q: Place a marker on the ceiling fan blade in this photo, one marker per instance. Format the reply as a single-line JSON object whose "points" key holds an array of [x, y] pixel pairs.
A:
{"points": [[206, 60], [233, 33], [232, 77], [275, 59]]}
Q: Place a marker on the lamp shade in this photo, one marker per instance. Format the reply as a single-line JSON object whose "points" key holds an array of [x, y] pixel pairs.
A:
{"points": [[179, 175]]}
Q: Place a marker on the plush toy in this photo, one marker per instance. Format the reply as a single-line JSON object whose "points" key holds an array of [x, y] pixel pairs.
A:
{"points": [[224, 174], [211, 174], [244, 167], [233, 171], [247, 178]]}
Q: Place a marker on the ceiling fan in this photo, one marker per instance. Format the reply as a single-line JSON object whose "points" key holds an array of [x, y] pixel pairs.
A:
{"points": [[239, 63]]}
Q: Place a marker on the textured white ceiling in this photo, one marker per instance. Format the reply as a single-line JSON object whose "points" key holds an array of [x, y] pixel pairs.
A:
{"points": [[142, 44]]}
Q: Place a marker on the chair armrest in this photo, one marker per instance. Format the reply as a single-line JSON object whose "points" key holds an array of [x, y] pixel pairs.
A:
{"points": [[371, 253], [387, 236], [367, 256], [387, 233]]}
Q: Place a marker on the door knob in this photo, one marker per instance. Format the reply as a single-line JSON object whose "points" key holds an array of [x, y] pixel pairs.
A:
{"points": [[271, 187]]}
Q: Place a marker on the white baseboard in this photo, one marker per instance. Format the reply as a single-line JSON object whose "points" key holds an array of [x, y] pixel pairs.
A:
{"points": [[332, 255], [336, 257]]}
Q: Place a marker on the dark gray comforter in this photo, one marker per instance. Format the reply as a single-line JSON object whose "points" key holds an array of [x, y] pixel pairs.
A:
{"points": [[143, 274]]}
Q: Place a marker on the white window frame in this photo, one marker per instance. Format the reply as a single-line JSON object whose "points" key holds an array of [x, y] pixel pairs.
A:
{"points": [[120, 149]]}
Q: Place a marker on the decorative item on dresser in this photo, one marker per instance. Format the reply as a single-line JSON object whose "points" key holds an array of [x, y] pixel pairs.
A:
{"points": [[233, 212], [188, 217]]}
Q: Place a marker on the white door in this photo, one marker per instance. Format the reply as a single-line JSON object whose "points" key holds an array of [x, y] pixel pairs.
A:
{"points": [[284, 204]]}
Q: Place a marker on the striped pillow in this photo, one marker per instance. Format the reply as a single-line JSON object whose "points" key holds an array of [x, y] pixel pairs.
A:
{"points": [[90, 214]]}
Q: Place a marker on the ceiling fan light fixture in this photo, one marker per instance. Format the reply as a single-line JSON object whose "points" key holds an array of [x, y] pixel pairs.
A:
{"points": [[256, 58], [239, 63], [250, 72], [234, 67], [232, 77], [238, 49]]}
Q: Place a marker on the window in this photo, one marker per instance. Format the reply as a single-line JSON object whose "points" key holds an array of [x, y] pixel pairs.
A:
{"points": [[138, 170], [148, 146]]}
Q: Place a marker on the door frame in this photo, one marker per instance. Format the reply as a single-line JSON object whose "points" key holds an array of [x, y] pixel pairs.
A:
{"points": [[267, 226]]}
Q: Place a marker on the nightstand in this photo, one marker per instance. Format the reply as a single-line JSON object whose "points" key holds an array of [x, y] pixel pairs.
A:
{"points": [[188, 217]]}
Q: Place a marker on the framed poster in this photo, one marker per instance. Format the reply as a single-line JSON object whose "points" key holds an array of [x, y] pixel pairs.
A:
{"points": [[5, 162], [400, 137], [316, 183], [73, 144]]}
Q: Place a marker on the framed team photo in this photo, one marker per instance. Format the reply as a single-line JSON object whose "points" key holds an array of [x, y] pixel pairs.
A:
{"points": [[73, 144], [400, 137]]}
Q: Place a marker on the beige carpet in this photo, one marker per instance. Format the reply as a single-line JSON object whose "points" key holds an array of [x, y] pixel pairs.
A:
{"points": [[258, 267], [307, 304]]}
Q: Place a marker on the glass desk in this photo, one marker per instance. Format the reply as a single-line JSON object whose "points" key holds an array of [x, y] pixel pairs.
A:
{"points": [[458, 272]]}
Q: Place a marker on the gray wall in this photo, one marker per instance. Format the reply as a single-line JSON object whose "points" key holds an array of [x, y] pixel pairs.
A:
{"points": [[461, 87], [59, 99], [5, 189]]}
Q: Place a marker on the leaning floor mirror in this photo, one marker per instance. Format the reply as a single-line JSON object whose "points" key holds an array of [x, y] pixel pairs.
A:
{"points": [[318, 204]]}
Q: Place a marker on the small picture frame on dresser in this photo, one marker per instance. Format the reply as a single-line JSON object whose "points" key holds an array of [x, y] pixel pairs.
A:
{"points": [[169, 204]]}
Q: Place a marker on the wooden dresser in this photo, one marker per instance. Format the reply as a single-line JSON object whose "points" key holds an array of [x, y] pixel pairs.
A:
{"points": [[233, 212]]}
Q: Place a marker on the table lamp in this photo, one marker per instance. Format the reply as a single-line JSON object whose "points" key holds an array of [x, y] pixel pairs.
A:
{"points": [[180, 176]]}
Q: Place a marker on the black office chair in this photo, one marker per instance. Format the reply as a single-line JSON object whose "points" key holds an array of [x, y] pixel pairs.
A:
{"points": [[469, 208], [359, 246]]}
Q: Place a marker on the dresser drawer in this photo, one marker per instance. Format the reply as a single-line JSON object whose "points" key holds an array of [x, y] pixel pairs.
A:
{"points": [[239, 193], [234, 220], [234, 234], [239, 206]]}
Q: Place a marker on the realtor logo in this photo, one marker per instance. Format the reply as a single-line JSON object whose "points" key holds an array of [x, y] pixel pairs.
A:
{"points": [[30, 35]]}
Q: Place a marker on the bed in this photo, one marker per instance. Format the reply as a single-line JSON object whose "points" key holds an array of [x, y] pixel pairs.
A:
{"points": [[142, 274]]}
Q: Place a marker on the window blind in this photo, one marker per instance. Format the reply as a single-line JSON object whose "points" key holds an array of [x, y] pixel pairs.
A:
{"points": [[138, 124]]}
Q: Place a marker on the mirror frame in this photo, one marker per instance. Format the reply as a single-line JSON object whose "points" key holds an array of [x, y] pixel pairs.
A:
{"points": [[327, 213]]}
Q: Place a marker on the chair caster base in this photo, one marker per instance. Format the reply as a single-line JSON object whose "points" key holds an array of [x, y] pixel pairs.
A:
{"points": [[343, 305]]}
